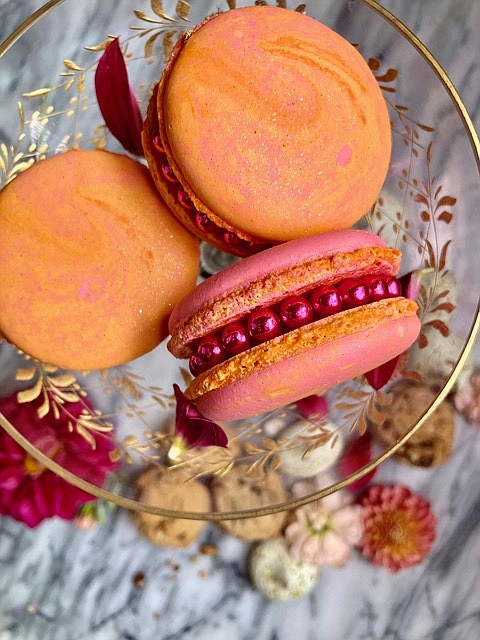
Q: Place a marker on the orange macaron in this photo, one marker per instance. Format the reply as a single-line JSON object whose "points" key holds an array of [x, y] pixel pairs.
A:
{"points": [[92, 261], [266, 126]]}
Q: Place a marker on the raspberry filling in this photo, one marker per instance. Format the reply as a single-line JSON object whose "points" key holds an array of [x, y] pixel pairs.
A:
{"points": [[230, 241], [295, 311]]}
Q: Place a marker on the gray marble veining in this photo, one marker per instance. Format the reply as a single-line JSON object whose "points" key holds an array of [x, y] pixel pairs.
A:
{"points": [[57, 583]]}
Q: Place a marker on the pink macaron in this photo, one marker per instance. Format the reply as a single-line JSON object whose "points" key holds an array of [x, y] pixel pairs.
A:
{"points": [[290, 321]]}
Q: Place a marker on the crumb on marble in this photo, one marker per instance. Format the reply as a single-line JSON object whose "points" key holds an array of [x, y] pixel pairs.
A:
{"points": [[209, 549], [139, 580]]}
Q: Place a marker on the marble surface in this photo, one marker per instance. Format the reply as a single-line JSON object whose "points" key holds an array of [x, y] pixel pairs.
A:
{"points": [[58, 583]]}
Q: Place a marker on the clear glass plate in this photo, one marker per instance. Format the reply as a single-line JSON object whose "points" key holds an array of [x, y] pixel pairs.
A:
{"points": [[427, 208]]}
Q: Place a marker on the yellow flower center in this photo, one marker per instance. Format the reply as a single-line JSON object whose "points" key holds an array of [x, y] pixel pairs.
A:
{"points": [[32, 466], [318, 523], [177, 447], [395, 532]]}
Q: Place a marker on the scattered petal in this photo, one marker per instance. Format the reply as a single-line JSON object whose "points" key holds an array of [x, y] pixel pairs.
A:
{"points": [[378, 377], [193, 428], [410, 283], [313, 407], [116, 99], [357, 455]]}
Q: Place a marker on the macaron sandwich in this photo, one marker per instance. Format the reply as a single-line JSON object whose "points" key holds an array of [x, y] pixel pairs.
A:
{"points": [[266, 126], [293, 320]]}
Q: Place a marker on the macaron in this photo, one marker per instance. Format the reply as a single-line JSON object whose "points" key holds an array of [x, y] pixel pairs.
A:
{"points": [[92, 261], [266, 126], [293, 320]]}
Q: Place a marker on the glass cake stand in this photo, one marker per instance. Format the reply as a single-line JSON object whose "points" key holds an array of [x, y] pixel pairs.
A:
{"points": [[427, 208]]}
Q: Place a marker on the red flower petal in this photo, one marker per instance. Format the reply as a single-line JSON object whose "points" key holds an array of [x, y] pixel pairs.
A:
{"points": [[357, 455], [378, 377], [195, 429], [313, 406], [23, 507], [116, 99], [410, 284], [11, 477]]}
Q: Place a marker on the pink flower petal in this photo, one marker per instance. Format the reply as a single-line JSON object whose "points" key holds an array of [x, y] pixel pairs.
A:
{"points": [[348, 524], [335, 501], [116, 99], [336, 551], [195, 429], [312, 550], [357, 455]]}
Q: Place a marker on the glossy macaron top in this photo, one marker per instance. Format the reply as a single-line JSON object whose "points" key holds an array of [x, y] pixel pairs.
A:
{"points": [[92, 261], [275, 124], [282, 270]]}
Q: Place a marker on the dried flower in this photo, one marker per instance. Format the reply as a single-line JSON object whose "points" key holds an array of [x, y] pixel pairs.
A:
{"points": [[29, 492], [324, 531], [400, 528], [116, 99], [192, 429]]}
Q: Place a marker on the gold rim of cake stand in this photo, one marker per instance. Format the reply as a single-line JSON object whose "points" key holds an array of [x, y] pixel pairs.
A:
{"points": [[133, 505]]}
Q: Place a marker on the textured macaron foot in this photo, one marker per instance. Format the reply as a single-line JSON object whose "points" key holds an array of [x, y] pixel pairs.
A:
{"points": [[282, 133]]}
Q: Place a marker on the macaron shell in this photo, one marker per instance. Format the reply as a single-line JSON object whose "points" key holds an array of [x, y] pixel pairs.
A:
{"points": [[310, 136], [167, 190], [92, 261], [276, 258], [276, 272], [311, 371]]}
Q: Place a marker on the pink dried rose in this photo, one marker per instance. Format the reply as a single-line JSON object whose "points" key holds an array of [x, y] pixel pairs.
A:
{"points": [[467, 399], [192, 429], [399, 527], [324, 531], [29, 492]]}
